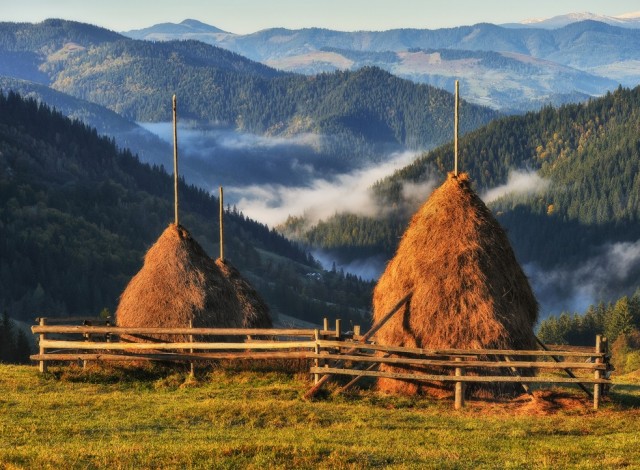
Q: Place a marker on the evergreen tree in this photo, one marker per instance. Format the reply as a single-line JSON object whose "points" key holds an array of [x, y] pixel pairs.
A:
{"points": [[7, 344], [619, 320], [22, 349]]}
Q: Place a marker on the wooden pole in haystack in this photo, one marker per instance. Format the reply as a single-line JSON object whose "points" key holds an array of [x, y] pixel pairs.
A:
{"points": [[175, 158], [221, 225], [455, 129]]}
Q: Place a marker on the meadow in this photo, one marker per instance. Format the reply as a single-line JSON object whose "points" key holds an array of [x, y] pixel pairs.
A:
{"points": [[225, 417]]}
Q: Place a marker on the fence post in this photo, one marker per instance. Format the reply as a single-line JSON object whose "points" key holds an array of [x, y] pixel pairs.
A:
{"points": [[43, 364], [87, 338], [325, 324], [192, 371], [604, 345], [356, 332], [316, 361], [338, 332], [597, 387], [459, 390]]}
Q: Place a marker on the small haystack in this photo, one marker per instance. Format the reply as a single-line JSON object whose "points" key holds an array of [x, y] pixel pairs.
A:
{"points": [[468, 289], [255, 311], [178, 284]]}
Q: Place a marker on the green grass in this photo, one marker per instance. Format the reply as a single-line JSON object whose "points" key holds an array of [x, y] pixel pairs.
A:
{"points": [[158, 418]]}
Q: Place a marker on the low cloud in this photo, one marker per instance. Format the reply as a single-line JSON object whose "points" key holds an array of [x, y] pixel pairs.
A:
{"points": [[518, 183], [200, 138], [212, 156], [321, 198], [369, 268], [609, 275], [414, 194]]}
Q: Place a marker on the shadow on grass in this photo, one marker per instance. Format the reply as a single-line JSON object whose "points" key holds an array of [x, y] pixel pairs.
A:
{"points": [[117, 373], [625, 395]]}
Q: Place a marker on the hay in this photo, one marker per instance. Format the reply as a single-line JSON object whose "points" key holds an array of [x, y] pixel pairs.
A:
{"points": [[255, 312], [468, 288], [178, 284]]}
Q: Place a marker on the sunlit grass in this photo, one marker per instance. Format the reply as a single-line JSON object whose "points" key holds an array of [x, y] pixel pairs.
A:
{"points": [[228, 418]]}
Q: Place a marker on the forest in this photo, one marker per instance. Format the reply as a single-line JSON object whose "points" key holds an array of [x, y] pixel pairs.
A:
{"points": [[78, 215]]}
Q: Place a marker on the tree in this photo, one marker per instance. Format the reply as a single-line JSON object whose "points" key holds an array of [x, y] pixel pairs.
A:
{"points": [[22, 349], [619, 320], [6, 338]]}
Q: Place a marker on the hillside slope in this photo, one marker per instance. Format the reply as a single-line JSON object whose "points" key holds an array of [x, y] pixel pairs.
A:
{"points": [[127, 134], [77, 216]]}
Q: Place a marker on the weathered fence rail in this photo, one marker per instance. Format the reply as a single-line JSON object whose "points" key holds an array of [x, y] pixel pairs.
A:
{"points": [[331, 352]]}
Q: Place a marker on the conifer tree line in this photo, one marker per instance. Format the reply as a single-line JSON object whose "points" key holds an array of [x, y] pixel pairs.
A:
{"points": [[14, 344], [618, 321]]}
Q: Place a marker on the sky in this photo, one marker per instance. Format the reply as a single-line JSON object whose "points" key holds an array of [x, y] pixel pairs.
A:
{"points": [[247, 16]]}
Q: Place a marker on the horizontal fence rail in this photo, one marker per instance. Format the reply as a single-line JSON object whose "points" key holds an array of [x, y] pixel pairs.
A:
{"points": [[330, 351]]}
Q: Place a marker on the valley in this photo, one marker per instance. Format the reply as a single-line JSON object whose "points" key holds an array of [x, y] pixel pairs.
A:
{"points": [[312, 154]]}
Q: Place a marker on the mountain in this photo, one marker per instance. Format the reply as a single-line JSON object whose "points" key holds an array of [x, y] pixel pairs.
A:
{"points": [[187, 29], [77, 215], [562, 182], [509, 82], [356, 117], [629, 20], [604, 54]]}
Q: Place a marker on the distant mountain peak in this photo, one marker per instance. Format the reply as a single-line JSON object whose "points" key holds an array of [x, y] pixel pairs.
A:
{"points": [[629, 16], [626, 20], [200, 27], [168, 30]]}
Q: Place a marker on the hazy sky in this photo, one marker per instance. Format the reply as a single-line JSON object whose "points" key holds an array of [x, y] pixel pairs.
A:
{"points": [[246, 16]]}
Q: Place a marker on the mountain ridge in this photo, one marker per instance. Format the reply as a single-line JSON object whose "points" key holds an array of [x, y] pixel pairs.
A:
{"points": [[594, 48]]}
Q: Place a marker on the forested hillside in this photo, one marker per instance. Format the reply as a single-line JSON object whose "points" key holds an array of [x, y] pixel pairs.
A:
{"points": [[136, 78], [587, 156], [77, 216], [127, 134]]}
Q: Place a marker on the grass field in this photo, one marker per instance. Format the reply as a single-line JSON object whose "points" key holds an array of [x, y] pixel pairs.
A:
{"points": [[159, 418]]}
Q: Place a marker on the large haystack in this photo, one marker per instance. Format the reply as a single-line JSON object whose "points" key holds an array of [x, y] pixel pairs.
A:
{"points": [[255, 312], [468, 289], [178, 284]]}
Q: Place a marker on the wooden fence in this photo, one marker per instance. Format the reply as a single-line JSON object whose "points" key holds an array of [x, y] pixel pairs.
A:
{"points": [[331, 352]]}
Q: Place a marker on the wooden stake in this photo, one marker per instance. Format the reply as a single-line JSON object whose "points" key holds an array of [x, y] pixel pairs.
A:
{"points": [[221, 225], [568, 371], [455, 130], [175, 158], [363, 339]]}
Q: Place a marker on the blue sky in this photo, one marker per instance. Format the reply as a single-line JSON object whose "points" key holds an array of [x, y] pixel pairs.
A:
{"points": [[246, 16]]}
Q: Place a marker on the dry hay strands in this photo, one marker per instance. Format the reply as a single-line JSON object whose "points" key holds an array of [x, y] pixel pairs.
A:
{"points": [[179, 285], [469, 291], [255, 312]]}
